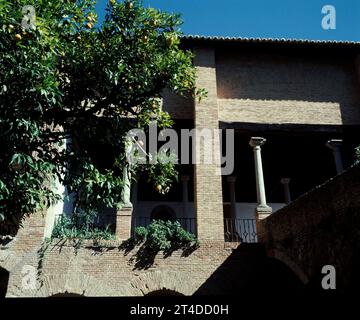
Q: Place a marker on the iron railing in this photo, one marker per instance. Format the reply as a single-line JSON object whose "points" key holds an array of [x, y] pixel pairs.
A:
{"points": [[235, 230], [100, 221], [240, 230], [188, 224]]}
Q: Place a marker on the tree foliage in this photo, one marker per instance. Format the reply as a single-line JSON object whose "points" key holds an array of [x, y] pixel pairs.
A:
{"points": [[66, 78], [357, 155]]}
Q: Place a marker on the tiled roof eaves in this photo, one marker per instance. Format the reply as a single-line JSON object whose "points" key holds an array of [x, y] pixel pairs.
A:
{"points": [[269, 40]]}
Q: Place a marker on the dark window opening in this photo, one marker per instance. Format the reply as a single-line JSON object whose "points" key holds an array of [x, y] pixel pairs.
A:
{"points": [[147, 191], [164, 213], [302, 157]]}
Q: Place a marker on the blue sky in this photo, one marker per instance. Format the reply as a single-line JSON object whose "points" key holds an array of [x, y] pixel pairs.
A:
{"points": [[262, 18]]}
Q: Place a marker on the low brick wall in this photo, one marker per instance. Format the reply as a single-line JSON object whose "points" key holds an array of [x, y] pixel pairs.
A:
{"points": [[110, 270], [320, 228]]}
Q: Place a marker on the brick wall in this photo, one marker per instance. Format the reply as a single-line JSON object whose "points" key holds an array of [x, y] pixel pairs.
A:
{"points": [[208, 188], [320, 228], [179, 107], [264, 88], [357, 65], [30, 233], [210, 270], [274, 88], [317, 229], [113, 271]]}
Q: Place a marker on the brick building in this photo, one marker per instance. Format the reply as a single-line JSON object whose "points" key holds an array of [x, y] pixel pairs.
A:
{"points": [[294, 108]]}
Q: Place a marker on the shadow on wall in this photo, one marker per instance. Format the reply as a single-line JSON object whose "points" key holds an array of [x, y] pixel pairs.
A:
{"points": [[319, 229], [286, 77], [4, 280], [321, 76], [247, 271], [10, 228]]}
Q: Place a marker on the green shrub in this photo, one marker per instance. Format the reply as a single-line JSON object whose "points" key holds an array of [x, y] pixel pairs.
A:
{"points": [[159, 235], [141, 234], [164, 235], [79, 227]]}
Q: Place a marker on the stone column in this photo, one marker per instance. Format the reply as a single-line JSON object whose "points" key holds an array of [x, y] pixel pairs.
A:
{"points": [[126, 192], [55, 211], [285, 182], [124, 212], [208, 183], [262, 209], [185, 199], [334, 145], [231, 181]]}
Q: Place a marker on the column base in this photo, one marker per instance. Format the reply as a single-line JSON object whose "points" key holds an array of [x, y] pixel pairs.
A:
{"points": [[262, 212], [123, 223]]}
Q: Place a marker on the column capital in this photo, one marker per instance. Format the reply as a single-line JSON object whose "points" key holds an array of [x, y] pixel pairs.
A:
{"points": [[334, 144], [285, 180], [257, 141], [231, 179]]}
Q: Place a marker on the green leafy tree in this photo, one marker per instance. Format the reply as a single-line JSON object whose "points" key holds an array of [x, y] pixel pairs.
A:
{"points": [[64, 77]]}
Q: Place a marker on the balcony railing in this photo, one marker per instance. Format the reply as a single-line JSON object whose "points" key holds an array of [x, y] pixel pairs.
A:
{"points": [[188, 224], [235, 230], [240, 230], [101, 221]]}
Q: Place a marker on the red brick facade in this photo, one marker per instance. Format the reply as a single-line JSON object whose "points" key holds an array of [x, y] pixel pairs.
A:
{"points": [[240, 89]]}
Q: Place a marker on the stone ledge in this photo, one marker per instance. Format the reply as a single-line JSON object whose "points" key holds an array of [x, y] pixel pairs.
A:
{"points": [[88, 243]]}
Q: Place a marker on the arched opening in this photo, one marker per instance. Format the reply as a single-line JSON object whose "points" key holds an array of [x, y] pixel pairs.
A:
{"points": [[164, 213], [248, 270], [290, 264], [67, 295], [163, 293], [4, 280], [281, 278]]}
